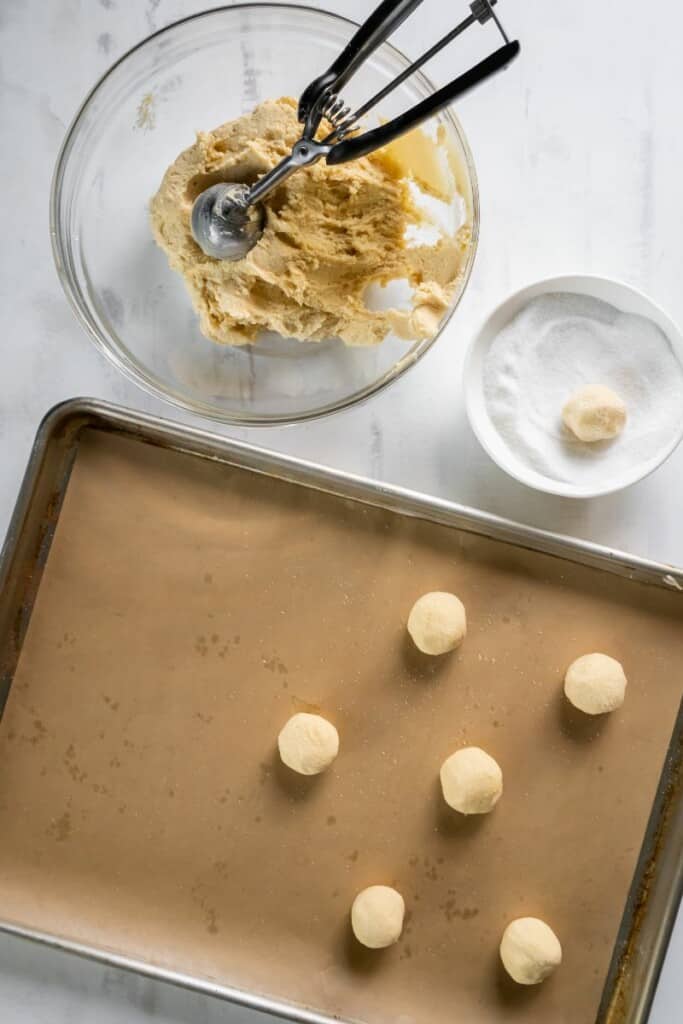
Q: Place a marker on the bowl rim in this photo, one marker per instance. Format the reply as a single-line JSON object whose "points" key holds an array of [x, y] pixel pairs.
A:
{"points": [[148, 382], [594, 285]]}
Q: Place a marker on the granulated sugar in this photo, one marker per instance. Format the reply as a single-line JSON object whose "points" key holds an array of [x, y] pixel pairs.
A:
{"points": [[559, 343]]}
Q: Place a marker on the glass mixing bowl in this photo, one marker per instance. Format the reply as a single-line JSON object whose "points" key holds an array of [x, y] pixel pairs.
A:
{"points": [[191, 76]]}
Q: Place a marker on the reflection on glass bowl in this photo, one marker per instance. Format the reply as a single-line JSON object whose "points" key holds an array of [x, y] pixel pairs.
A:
{"points": [[194, 75]]}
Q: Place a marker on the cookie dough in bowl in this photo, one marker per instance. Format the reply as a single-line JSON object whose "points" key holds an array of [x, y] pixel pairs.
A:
{"points": [[215, 69], [331, 233]]}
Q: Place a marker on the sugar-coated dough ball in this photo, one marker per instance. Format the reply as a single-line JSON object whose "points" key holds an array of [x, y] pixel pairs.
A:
{"points": [[308, 744], [530, 950], [595, 413], [377, 916], [472, 781], [437, 623], [595, 684]]}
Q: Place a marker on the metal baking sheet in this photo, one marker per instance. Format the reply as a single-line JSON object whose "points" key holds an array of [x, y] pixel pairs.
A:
{"points": [[218, 875]]}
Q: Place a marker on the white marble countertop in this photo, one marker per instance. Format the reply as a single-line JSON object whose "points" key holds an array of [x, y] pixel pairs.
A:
{"points": [[579, 153]]}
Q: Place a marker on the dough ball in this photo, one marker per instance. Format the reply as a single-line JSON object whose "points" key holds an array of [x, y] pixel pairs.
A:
{"points": [[530, 950], [595, 684], [472, 781], [437, 623], [377, 916], [308, 744], [595, 413]]}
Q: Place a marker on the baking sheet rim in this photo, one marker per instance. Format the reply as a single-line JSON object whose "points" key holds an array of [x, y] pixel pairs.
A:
{"points": [[86, 413]]}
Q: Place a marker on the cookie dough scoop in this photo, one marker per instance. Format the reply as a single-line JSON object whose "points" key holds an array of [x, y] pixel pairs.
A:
{"points": [[228, 218]]}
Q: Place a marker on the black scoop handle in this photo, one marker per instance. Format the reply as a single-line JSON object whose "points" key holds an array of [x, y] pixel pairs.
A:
{"points": [[356, 147], [379, 26]]}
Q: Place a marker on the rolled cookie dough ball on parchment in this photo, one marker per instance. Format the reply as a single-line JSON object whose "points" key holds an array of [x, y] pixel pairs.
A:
{"points": [[472, 781], [594, 413], [308, 744], [530, 950], [437, 623], [377, 916], [595, 684]]}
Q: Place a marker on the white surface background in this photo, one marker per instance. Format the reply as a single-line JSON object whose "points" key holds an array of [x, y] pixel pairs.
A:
{"points": [[580, 157]]}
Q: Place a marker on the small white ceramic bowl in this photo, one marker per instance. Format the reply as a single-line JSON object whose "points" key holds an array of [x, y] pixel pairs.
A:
{"points": [[625, 298]]}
